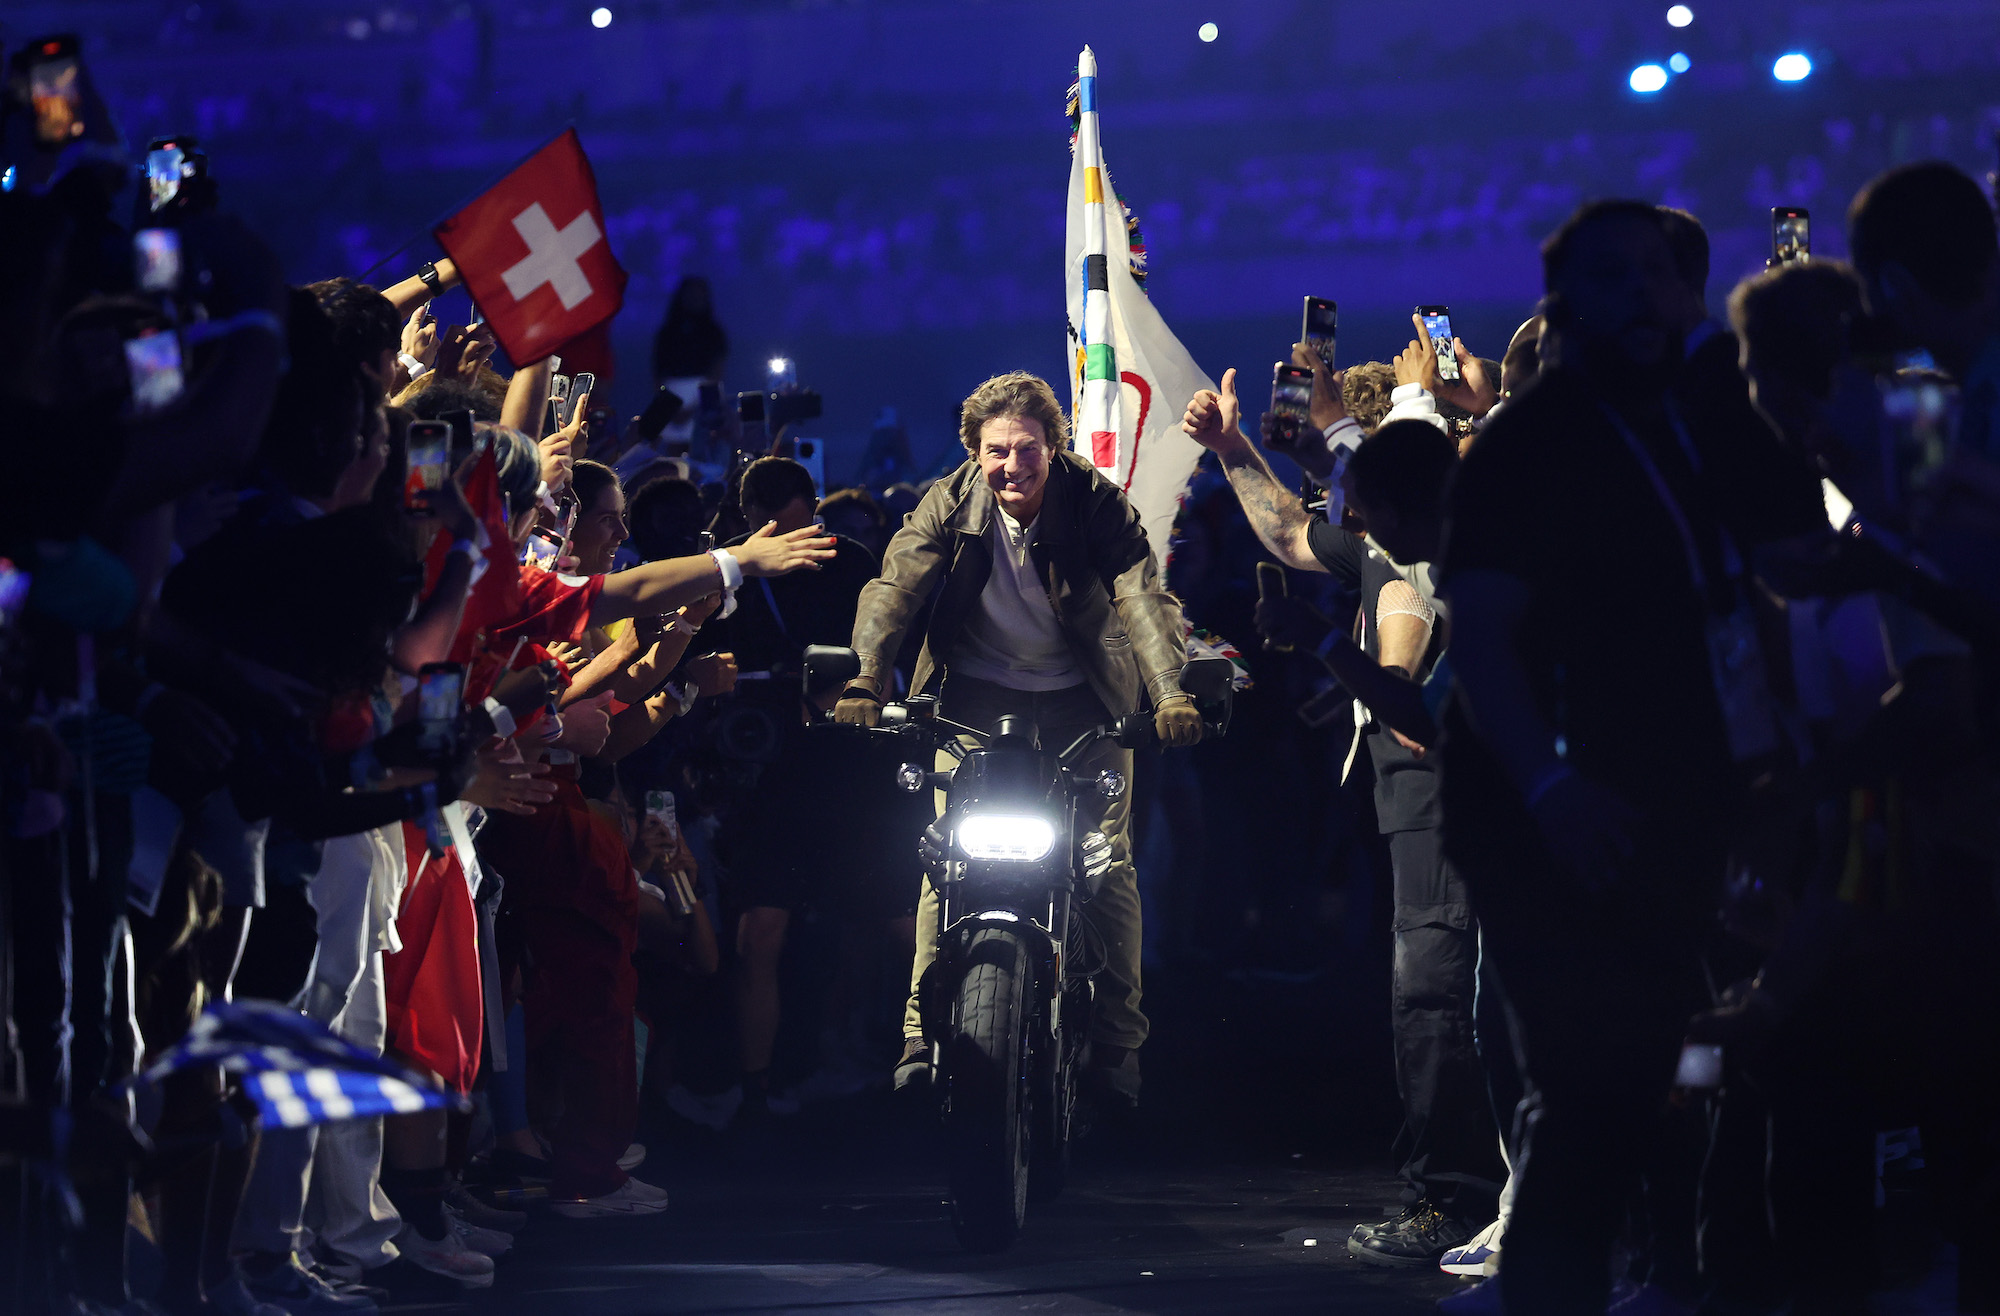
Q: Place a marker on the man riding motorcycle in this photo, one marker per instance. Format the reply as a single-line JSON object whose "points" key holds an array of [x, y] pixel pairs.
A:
{"points": [[1048, 605]]}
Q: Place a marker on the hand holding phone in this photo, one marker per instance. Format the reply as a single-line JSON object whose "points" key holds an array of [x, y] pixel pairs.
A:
{"points": [[429, 449], [1291, 405], [440, 692], [1791, 234], [1435, 322]]}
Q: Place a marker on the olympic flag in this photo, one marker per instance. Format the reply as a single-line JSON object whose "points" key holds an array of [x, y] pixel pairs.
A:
{"points": [[1130, 378]]}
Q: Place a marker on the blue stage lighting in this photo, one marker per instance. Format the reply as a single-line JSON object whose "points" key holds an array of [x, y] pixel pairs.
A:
{"points": [[1680, 16], [1648, 78], [1678, 62], [1791, 67]]}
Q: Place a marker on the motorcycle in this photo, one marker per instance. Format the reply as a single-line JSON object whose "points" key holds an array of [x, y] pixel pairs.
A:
{"points": [[1006, 1007]]}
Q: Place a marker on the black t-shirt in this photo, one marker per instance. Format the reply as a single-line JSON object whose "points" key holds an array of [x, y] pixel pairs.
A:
{"points": [[1614, 637], [1406, 787]]}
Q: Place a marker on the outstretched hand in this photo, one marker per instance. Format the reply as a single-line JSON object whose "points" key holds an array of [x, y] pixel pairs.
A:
{"points": [[767, 553], [1212, 418]]}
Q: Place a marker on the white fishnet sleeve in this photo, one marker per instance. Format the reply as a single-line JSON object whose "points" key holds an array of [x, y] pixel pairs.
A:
{"points": [[1399, 597]]}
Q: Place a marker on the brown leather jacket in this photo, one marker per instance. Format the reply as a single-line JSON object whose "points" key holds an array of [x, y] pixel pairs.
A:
{"points": [[1091, 553]]}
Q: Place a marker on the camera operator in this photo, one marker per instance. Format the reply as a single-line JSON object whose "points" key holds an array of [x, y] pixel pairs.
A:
{"points": [[1395, 482], [1048, 605]]}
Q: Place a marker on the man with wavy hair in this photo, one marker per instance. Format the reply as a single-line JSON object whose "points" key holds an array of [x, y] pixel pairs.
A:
{"points": [[1048, 605]]}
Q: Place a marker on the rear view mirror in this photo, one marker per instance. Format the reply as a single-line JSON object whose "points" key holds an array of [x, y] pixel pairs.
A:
{"points": [[1208, 679], [829, 667]]}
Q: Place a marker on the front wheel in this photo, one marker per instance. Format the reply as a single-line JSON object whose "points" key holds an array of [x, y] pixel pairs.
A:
{"points": [[986, 1103]]}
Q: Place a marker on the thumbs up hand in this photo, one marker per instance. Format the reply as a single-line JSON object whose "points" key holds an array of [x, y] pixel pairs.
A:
{"points": [[1212, 418]]}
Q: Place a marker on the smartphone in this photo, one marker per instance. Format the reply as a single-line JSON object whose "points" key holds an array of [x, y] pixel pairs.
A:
{"points": [[581, 385], [660, 804], [164, 163], [1700, 1068], [429, 449], [1291, 403], [811, 454], [750, 408], [660, 412], [544, 546], [567, 507], [156, 259], [55, 89], [461, 434], [1318, 332], [440, 691], [1791, 234], [1437, 323], [153, 365], [709, 398], [1921, 415]]}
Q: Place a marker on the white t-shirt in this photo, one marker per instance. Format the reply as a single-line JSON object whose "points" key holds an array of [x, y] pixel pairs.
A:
{"points": [[1013, 638]]}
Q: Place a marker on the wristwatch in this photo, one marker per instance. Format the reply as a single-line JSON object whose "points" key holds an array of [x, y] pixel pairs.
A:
{"points": [[428, 272]]}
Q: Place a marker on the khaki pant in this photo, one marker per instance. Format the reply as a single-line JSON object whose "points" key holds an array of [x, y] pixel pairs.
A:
{"points": [[1060, 716]]}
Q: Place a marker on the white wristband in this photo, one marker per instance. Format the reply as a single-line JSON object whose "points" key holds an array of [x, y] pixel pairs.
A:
{"points": [[732, 570], [1343, 433], [503, 717], [413, 367]]}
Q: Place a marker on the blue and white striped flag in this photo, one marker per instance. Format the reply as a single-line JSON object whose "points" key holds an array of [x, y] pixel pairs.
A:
{"points": [[297, 1071]]}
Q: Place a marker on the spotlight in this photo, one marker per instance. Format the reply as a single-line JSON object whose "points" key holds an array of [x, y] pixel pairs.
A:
{"points": [[1679, 16], [1792, 67], [1648, 78], [1208, 31], [600, 17], [1678, 62]]}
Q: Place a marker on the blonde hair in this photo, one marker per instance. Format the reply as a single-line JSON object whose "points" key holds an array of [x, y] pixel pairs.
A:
{"points": [[1017, 395], [1365, 390]]}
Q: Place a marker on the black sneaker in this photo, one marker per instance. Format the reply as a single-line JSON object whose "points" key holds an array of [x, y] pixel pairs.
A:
{"points": [[1367, 1229], [1420, 1240]]}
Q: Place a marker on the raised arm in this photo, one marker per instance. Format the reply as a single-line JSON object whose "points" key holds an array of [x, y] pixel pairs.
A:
{"points": [[661, 587], [1212, 420], [406, 295]]}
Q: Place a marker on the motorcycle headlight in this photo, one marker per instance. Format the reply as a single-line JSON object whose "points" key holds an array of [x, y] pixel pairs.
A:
{"points": [[1018, 837]]}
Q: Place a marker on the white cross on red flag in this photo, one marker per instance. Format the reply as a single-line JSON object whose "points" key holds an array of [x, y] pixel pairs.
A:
{"points": [[533, 254]]}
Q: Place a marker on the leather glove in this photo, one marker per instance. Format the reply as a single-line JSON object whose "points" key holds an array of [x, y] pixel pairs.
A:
{"points": [[858, 709], [1177, 722]]}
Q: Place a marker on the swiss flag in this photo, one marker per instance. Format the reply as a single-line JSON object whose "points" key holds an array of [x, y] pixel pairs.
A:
{"points": [[533, 253]]}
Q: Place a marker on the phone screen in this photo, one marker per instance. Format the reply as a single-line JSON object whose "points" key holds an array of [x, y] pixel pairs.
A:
{"points": [[1292, 391], [1791, 235], [1320, 323], [543, 548], [55, 86], [580, 387], [156, 257], [163, 176], [1437, 323], [429, 454], [439, 693], [153, 362], [1922, 416], [750, 408]]}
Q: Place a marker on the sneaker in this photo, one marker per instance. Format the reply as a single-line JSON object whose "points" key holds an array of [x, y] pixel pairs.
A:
{"points": [[233, 1298], [461, 1199], [488, 1242], [914, 1071], [344, 1286], [629, 1198], [711, 1112], [1480, 1256], [447, 1256], [634, 1157], [1481, 1299], [283, 1282], [1396, 1221], [1422, 1240], [1648, 1300]]}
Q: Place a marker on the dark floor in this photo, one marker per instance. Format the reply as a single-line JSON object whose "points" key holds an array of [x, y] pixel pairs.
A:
{"points": [[1268, 1117]]}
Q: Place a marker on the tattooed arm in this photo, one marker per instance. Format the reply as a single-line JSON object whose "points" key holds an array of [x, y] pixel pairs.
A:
{"points": [[1274, 512]]}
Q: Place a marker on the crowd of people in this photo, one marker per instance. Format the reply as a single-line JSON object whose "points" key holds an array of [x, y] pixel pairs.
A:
{"points": [[436, 707]]}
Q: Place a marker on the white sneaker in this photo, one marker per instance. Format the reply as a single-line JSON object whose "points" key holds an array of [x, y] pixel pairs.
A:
{"points": [[488, 1242], [634, 1157], [447, 1256], [713, 1112], [629, 1198], [1478, 1255]]}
